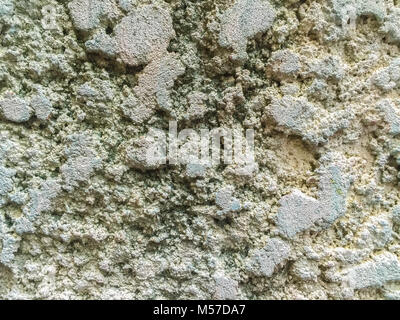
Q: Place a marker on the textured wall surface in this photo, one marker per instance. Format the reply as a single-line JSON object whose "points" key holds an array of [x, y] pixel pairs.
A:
{"points": [[84, 214]]}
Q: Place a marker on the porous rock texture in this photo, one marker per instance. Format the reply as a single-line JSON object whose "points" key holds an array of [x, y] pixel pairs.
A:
{"points": [[84, 215]]}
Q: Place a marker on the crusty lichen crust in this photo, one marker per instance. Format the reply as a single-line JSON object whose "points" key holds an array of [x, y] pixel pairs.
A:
{"points": [[84, 215]]}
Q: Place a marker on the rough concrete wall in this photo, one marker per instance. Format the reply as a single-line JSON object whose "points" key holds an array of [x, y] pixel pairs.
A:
{"points": [[84, 215]]}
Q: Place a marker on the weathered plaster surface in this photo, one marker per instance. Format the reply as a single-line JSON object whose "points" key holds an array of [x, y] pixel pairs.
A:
{"points": [[84, 215]]}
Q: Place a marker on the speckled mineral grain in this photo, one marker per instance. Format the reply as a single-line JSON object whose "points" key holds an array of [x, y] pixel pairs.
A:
{"points": [[86, 214]]}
